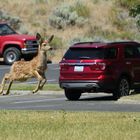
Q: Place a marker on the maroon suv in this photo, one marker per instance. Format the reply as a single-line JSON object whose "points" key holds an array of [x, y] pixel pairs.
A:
{"points": [[100, 67]]}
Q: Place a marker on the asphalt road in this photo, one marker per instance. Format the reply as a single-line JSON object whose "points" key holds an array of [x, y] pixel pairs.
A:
{"points": [[56, 101], [48, 100]]}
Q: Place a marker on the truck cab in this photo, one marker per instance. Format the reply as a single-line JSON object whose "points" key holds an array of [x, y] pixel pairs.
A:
{"points": [[14, 46]]}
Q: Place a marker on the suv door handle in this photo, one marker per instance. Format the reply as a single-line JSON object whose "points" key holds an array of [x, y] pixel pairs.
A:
{"points": [[128, 63]]}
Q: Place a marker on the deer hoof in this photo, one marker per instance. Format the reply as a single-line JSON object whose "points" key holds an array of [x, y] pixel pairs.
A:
{"points": [[7, 93], [34, 91]]}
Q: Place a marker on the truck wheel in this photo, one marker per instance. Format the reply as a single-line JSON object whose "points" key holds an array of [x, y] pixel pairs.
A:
{"points": [[72, 94], [122, 89], [11, 55]]}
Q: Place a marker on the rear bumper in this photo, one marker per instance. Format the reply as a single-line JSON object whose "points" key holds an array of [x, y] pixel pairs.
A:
{"points": [[88, 85], [78, 85]]}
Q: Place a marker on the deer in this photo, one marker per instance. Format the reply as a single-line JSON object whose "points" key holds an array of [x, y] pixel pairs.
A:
{"points": [[23, 70]]}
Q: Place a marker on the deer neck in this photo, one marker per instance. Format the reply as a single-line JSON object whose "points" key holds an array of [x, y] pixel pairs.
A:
{"points": [[42, 59]]}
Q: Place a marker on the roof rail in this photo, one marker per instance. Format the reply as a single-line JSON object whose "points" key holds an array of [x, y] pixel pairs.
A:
{"points": [[90, 42], [122, 42]]}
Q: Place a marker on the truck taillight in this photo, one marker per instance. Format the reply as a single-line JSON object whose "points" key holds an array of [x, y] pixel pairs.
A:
{"points": [[98, 66]]}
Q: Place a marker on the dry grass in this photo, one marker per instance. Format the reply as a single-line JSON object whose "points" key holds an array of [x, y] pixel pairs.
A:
{"points": [[36, 17], [35, 14]]}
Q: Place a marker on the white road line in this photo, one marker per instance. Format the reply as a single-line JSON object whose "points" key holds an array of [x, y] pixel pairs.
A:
{"points": [[54, 68], [34, 82], [53, 80], [3, 68], [35, 101], [35, 107]]}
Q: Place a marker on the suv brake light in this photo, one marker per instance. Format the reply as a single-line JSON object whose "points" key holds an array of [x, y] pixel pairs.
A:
{"points": [[98, 66], [64, 66]]}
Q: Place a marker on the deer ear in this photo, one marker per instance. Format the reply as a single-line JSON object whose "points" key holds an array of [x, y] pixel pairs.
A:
{"points": [[38, 36], [50, 38]]}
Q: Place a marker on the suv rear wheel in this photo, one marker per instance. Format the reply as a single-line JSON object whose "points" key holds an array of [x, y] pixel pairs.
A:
{"points": [[122, 88], [11, 55], [72, 94]]}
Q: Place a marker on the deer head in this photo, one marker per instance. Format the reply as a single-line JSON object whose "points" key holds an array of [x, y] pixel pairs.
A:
{"points": [[44, 44]]}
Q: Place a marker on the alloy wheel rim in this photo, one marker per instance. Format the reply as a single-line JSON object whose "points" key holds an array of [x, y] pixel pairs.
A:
{"points": [[11, 57], [124, 87]]}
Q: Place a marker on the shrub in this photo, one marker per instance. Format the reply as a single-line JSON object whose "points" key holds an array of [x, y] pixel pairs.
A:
{"points": [[88, 39], [40, 1], [65, 15], [14, 22], [135, 12], [127, 3], [57, 43], [81, 9]]}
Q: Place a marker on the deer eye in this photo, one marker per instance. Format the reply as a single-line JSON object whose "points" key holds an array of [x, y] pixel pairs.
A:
{"points": [[44, 44]]}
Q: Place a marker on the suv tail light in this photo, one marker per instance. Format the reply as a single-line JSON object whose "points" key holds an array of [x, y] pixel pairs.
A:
{"points": [[64, 67], [98, 66]]}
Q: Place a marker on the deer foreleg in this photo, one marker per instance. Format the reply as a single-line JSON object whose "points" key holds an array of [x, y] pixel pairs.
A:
{"points": [[43, 83], [39, 77], [37, 87], [9, 86]]}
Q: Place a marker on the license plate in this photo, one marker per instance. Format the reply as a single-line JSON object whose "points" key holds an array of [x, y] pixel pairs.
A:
{"points": [[78, 68]]}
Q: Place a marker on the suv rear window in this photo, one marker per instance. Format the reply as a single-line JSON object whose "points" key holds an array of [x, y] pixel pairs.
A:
{"points": [[91, 53]]}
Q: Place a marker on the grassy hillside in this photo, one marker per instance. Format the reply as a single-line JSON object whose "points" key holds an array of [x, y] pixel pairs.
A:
{"points": [[74, 20]]}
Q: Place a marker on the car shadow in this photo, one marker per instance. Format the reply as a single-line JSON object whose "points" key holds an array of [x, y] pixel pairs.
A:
{"points": [[100, 98], [2, 63]]}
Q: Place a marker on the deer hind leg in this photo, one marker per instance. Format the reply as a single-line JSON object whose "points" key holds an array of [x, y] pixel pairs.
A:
{"points": [[40, 78], [5, 78]]}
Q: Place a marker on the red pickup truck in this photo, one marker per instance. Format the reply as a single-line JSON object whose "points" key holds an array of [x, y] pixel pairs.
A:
{"points": [[14, 46]]}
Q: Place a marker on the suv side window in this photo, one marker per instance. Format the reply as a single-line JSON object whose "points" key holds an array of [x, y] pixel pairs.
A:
{"points": [[138, 51], [110, 53], [132, 51]]}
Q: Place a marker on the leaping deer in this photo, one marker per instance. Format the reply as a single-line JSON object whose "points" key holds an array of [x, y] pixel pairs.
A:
{"points": [[23, 70]]}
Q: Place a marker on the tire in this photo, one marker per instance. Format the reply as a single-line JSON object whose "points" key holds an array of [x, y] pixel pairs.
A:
{"points": [[72, 95], [11, 55], [122, 89]]}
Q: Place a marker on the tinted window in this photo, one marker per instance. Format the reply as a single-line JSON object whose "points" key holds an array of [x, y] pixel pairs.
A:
{"points": [[5, 30], [110, 53], [132, 51], [138, 52], [91, 53]]}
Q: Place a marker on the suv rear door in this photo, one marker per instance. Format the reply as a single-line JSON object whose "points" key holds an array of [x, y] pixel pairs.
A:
{"points": [[132, 60]]}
